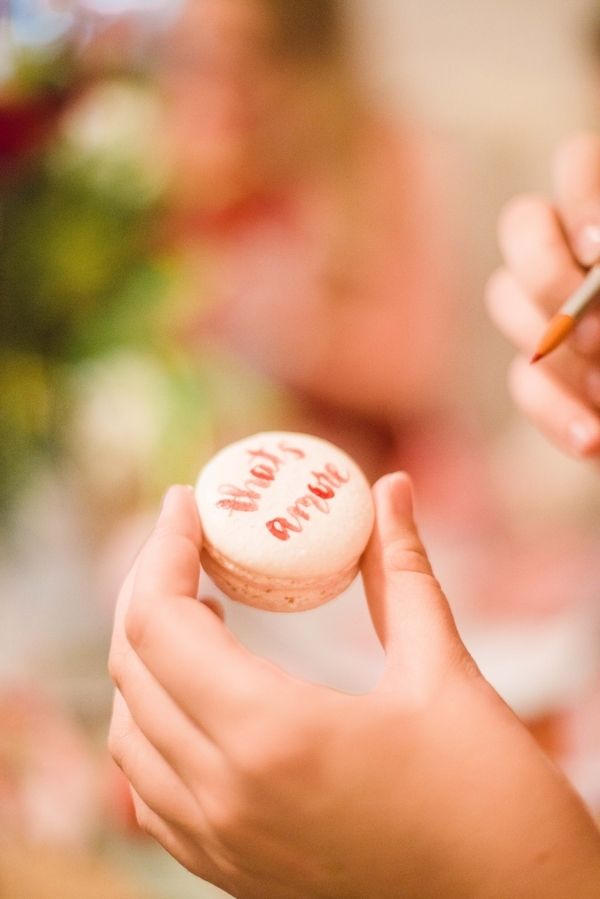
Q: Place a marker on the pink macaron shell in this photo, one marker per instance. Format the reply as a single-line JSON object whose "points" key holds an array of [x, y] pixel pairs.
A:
{"points": [[274, 594], [285, 517]]}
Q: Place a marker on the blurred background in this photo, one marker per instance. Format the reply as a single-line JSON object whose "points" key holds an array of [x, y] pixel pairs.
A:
{"points": [[225, 216]]}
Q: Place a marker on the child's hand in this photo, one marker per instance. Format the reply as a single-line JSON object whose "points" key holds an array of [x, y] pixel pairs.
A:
{"points": [[547, 246], [271, 787]]}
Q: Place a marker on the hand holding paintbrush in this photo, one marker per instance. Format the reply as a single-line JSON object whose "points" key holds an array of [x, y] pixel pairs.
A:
{"points": [[546, 299], [564, 321]]}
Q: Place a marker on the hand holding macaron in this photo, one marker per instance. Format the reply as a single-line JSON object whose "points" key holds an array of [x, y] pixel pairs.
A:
{"points": [[271, 787], [548, 246]]}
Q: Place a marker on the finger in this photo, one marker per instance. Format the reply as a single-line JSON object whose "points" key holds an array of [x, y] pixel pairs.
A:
{"points": [[537, 252], [215, 607], [167, 810], [150, 775], [180, 742], [181, 847], [206, 673], [212, 862], [169, 563], [176, 505], [586, 336], [183, 745], [522, 322], [182, 644], [410, 613], [566, 420], [513, 312], [187, 650], [576, 172]]}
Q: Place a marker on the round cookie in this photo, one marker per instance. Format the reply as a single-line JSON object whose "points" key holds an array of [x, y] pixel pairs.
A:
{"points": [[286, 518]]}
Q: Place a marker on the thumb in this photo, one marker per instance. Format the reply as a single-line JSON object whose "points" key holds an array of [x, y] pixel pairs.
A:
{"points": [[409, 610], [577, 189], [169, 563]]}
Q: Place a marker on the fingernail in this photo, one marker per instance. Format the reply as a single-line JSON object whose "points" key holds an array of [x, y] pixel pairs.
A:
{"points": [[584, 436], [171, 498], [593, 386], [587, 334], [400, 492], [167, 501], [587, 244]]}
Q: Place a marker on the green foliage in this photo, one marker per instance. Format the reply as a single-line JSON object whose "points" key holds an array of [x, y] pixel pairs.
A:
{"points": [[50, 70], [66, 254], [80, 278]]}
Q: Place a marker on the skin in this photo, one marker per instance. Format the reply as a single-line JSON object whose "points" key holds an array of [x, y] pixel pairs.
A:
{"points": [[269, 786], [548, 244], [350, 215], [219, 92]]}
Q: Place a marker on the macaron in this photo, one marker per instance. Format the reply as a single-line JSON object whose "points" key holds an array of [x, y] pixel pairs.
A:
{"points": [[286, 518]]}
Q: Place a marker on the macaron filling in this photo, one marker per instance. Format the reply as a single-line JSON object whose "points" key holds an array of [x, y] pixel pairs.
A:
{"points": [[280, 594]]}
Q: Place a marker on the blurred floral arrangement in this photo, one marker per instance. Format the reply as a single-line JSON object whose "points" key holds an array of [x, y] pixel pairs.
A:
{"points": [[84, 283], [96, 381]]}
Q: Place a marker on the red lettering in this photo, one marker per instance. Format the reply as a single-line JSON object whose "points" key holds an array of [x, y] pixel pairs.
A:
{"points": [[238, 500], [335, 478], [292, 451], [322, 476], [273, 460], [319, 503], [323, 487], [295, 510], [261, 482], [322, 492], [263, 472], [280, 528]]}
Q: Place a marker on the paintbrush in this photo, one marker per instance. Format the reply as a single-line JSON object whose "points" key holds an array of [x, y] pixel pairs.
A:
{"points": [[561, 325]]}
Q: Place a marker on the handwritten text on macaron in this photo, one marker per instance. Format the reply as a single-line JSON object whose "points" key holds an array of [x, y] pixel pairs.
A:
{"points": [[265, 465]]}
